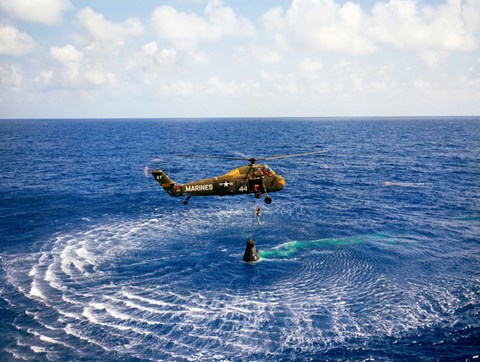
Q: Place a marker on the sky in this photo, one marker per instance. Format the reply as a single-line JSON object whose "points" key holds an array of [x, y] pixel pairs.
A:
{"points": [[238, 58]]}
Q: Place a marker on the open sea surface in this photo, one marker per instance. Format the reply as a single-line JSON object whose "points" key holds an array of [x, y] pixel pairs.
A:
{"points": [[371, 252]]}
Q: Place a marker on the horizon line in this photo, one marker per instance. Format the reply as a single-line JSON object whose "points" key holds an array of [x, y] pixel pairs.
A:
{"points": [[234, 117]]}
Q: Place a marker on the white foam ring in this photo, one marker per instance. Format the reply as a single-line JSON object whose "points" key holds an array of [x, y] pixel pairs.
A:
{"points": [[86, 279]]}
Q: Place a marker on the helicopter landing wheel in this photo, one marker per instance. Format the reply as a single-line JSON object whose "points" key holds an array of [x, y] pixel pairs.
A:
{"points": [[258, 195], [185, 202], [268, 200]]}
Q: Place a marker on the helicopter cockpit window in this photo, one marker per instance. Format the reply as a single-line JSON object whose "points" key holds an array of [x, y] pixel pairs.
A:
{"points": [[267, 170]]}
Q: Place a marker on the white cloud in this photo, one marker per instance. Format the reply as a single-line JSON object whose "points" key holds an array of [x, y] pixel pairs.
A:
{"points": [[403, 24], [49, 12], [319, 25], [272, 23], [421, 84], [152, 60], [179, 88], [218, 86], [280, 83], [311, 56], [331, 26], [161, 57], [198, 57], [92, 62], [225, 22], [181, 29], [68, 55], [433, 59], [45, 78], [71, 59], [104, 30], [98, 77], [186, 30], [10, 76], [357, 83], [14, 42], [471, 14], [266, 55], [77, 71], [311, 66]]}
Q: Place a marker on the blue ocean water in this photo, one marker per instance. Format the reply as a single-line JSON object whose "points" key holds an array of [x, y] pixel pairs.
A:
{"points": [[370, 252]]}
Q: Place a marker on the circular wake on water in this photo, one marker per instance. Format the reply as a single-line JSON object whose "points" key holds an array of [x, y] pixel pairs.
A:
{"points": [[173, 287]]}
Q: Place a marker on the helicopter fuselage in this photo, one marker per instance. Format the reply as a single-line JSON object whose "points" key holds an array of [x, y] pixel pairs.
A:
{"points": [[257, 179]]}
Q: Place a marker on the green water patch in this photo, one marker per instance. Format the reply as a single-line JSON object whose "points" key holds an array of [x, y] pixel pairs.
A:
{"points": [[292, 248], [380, 237], [472, 218]]}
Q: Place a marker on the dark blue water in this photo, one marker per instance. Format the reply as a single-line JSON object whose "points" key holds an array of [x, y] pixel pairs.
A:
{"points": [[370, 252]]}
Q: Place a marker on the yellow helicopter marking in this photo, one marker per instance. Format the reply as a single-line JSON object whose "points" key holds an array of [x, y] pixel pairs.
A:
{"points": [[235, 172]]}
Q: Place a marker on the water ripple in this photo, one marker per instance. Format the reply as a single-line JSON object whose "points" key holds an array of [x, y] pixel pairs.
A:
{"points": [[82, 291]]}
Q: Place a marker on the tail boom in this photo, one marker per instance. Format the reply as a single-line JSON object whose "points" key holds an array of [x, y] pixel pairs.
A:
{"points": [[167, 184]]}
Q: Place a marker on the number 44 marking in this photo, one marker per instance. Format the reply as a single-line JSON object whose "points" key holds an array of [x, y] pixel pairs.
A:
{"points": [[243, 189]]}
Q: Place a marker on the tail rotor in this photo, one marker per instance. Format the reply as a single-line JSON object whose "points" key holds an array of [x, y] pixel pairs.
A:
{"points": [[155, 162]]}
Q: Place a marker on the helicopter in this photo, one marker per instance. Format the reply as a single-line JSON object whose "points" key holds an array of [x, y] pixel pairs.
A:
{"points": [[254, 178]]}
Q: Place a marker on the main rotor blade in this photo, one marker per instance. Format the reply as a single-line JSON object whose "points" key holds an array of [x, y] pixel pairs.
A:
{"points": [[207, 156], [252, 160], [240, 154], [292, 155]]}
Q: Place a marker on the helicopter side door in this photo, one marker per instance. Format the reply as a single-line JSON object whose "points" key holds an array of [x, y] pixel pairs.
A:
{"points": [[255, 185]]}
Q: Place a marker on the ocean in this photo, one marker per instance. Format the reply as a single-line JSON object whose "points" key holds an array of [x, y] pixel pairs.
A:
{"points": [[370, 252]]}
